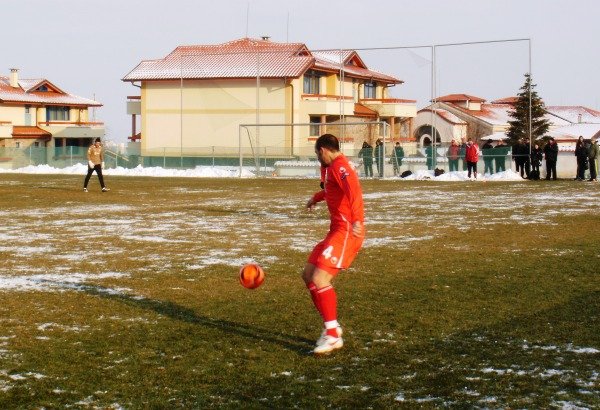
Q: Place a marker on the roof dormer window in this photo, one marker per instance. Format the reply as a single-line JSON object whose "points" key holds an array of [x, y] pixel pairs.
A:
{"points": [[43, 88]]}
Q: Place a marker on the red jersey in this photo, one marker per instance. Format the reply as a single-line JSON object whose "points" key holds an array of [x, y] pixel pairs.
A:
{"points": [[342, 193], [472, 153]]}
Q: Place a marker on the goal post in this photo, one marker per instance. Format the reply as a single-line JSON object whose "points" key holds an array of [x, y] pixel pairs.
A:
{"points": [[266, 149]]}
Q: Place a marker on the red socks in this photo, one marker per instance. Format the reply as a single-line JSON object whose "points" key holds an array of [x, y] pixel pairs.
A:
{"points": [[328, 306], [325, 300]]}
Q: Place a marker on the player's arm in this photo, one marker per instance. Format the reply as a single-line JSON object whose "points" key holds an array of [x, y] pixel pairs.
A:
{"points": [[316, 198]]}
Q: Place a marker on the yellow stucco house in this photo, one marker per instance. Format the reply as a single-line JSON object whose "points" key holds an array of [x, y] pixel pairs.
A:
{"points": [[41, 123], [193, 101]]}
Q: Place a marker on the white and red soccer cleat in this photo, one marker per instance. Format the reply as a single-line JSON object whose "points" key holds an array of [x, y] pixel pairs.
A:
{"points": [[329, 344]]}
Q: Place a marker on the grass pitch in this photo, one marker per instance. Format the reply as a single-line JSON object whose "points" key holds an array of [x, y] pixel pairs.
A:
{"points": [[468, 294]]}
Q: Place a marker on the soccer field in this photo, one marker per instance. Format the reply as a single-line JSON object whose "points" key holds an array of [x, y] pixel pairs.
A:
{"points": [[466, 294]]}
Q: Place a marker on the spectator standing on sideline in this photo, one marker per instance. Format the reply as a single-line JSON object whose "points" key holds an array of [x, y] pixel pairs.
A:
{"points": [[429, 156], [453, 155], [461, 153], [343, 195], [500, 153], [581, 153], [488, 157], [536, 160], [95, 156], [379, 157], [592, 157], [397, 157], [472, 156], [366, 153], [520, 155], [551, 153]]}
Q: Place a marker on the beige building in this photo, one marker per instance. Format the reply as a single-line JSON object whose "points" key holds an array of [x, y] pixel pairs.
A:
{"points": [[35, 113], [193, 101]]}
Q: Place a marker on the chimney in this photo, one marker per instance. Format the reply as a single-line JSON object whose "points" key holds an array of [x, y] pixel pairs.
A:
{"points": [[14, 77], [579, 118]]}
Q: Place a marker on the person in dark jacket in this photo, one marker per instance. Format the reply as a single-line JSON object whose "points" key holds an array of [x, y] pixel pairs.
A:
{"points": [[551, 154], [488, 157], [379, 157], [592, 157], [366, 153], [581, 153], [520, 155], [536, 160]]}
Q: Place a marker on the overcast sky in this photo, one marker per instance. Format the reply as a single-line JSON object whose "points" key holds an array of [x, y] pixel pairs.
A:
{"points": [[86, 47]]}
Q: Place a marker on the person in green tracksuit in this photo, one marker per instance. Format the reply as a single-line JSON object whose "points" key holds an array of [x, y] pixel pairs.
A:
{"points": [[500, 152], [487, 151], [397, 157], [366, 153]]}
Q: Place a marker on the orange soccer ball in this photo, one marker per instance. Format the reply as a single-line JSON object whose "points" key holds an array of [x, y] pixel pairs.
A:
{"points": [[252, 276]]}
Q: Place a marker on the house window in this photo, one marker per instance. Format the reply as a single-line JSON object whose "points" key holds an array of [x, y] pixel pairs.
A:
{"points": [[57, 113], [42, 88], [17, 144], [36, 144], [311, 82], [370, 90], [315, 129]]}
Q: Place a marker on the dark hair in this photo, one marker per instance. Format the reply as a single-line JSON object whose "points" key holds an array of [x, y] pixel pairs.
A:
{"points": [[97, 140], [328, 141]]}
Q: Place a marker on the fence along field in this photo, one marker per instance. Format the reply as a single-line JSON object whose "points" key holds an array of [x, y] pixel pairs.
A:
{"points": [[465, 294]]}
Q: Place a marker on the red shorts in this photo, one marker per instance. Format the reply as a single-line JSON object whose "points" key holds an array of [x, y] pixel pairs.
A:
{"points": [[336, 251]]}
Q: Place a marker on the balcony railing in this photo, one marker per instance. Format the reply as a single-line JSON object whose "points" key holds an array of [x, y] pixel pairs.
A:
{"points": [[391, 107], [326, 97], [72, 123]]}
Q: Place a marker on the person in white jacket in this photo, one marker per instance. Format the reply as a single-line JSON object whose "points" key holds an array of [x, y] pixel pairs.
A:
{"points": [[95, 156]]}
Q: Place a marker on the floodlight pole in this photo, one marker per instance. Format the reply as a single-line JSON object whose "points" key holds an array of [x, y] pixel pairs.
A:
{"points": [[529, 91], [181, 111], [433, 129]]}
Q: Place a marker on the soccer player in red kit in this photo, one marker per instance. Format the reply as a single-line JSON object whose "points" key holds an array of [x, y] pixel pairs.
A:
{"points": [[343, 195]]}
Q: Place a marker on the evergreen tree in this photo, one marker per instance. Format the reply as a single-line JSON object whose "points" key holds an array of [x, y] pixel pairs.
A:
{"points": [[519, 127]]}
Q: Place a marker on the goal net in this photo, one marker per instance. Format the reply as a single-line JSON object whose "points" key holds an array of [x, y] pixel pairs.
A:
{"points": [[288, 149]]}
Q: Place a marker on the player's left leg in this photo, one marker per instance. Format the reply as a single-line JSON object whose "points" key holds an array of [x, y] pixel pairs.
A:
{"points": [[327, 302]]}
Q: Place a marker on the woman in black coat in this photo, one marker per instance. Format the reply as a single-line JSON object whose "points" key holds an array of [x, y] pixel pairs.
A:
{"points": [[581, 153]]}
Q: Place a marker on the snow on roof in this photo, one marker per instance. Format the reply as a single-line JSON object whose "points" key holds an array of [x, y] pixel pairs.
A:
{"points": [[245, 58], [446, 115], [506, 100], [242, 59], [25, 94], [497, 114], [459, 98], [575, 114], [573, 131], [353, 65]]}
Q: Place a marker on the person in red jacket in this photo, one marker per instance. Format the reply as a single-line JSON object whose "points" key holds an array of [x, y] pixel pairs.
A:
{"points": [[472, 156], [343, 195]]}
